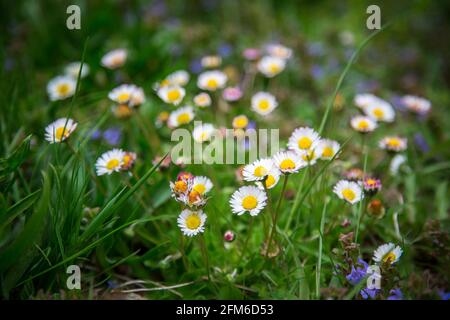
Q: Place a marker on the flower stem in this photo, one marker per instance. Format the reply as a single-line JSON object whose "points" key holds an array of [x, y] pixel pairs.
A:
{"points": [[296, 201], [274, 225], [249, 233], [360, 209], [205, 255]]}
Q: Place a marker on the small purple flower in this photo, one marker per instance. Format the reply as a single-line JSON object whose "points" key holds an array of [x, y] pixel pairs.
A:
{"points": [[368, 293], [355, 276], [112, 136], [444, 295], [251, 125], [196, 66], [421, 143], [395, 294], [97, 134], [232, 94], [317, 72], [225, 50]]}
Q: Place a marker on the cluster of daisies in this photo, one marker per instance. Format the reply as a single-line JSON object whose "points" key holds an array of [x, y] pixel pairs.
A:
{"points": [[304, 148], [192, 193], [213, 84], [125, 96]]}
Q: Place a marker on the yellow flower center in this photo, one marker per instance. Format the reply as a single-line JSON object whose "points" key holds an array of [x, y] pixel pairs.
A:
{"points": [[212, 83], [123, 97], [371, 182], [63, 89], [304, 143], [349, 194], [274, 68], [194, 196], [378, 113], [327, 152], [264, 104], [59, 133], [183, 118], [308, 155], [200, 188], [363, 125], [203, 136], [173, 95], [389, 258], [112, 164], [270, 181], [240, 122], [193, 221], [287, 164], [393, 142], [180, 186], [260, 171], [249, 202]]}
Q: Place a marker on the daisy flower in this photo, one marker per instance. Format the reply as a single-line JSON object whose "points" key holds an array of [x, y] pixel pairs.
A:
{"points": [[363, 100], [202, 185], [191, 222], [371, 185], [180, 117], [380, 111], [203, 132], [349, 191], [326, 149], [416, 104], [171, 94], [114, 59], [110, 162], [59, 130], [264, 103], [61, 87], [178, 78], [288, 162], [122, 94], [303, 139], [257, 170], [73, 68], [393, 143], [137, 97], [240, 122], [279, 51], [271, 66], [248, 199], [128, 160], [212, 80], [309, 156], [271, 180], [211, 61], [363, 124], [387, 253], [202, 100]]}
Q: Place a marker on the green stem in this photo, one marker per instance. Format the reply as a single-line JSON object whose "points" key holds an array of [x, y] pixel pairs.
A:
{"points": [[274, 226], [249, 233], [205, 255], [319, 260], [361, 202], [296, 201]]}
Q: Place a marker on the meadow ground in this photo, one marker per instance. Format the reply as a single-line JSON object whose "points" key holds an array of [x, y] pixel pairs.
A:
{"points": [[358, 208]]}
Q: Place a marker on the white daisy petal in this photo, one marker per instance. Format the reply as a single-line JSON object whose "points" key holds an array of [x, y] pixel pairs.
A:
{"points": [[61, 87], [191, 222], [59, 130], [180, 117], [263, 103], [110, 162], [212, 80]]}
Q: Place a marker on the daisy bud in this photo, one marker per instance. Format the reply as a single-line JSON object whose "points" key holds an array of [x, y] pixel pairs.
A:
{"points": [[376, 209], [228, 236]]}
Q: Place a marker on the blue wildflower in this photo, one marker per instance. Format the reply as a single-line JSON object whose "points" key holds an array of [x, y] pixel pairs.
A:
{"points": [[112, 136], [395, 294]]}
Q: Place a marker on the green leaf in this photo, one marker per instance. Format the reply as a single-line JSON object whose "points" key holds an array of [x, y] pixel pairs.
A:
{"points": [[17, 209]]}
